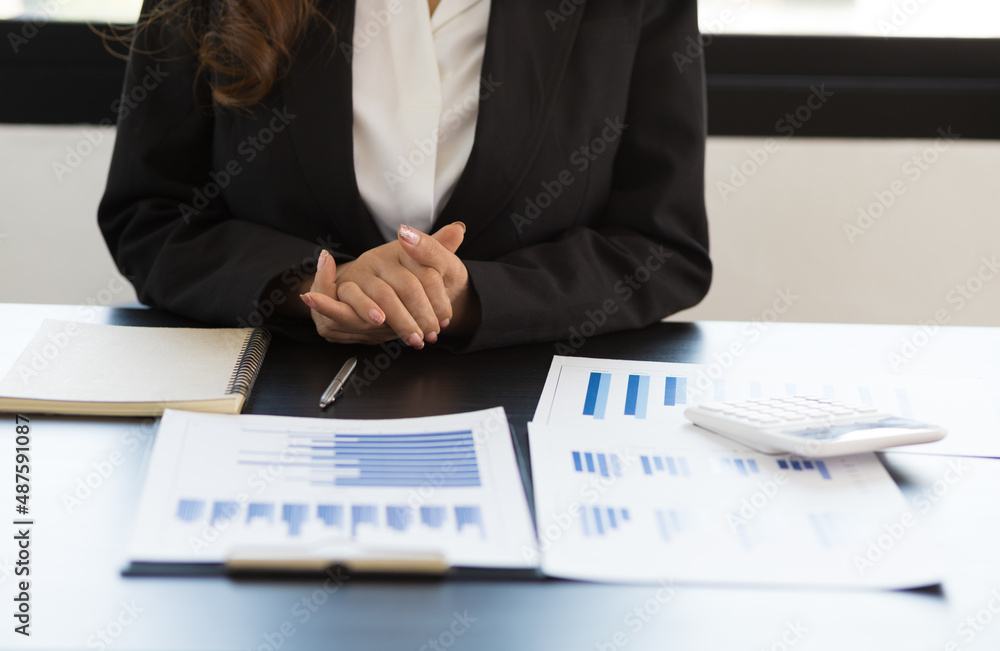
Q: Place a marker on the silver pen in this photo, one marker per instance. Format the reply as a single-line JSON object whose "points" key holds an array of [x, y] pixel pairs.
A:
{"points": [[337, 386]]}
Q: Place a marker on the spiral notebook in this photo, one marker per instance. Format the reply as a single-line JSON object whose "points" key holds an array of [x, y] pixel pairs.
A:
{"points": [[108, 370]]}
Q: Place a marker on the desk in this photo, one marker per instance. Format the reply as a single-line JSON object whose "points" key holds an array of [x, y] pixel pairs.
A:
{"points": [[79, 547]]}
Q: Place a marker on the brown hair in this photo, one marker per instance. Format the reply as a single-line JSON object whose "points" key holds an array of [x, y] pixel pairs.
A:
{"points": [[247, 44]]}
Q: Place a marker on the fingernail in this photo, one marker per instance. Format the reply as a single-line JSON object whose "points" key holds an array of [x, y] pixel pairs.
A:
{"points": [[376, 317], [409, 234], [462, 224], [445, 323], [323, 255], [415, 341], [432, 337], [307, 299]]}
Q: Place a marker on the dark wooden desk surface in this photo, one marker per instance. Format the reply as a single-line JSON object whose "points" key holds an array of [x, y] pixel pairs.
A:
{"points": [[80, 599]]}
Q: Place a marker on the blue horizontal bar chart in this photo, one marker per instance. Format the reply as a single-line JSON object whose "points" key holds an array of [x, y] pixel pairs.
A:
{"points": [[439, 459]]}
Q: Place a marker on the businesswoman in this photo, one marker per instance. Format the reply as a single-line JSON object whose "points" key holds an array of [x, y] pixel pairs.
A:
{"points": [[489, 173]]}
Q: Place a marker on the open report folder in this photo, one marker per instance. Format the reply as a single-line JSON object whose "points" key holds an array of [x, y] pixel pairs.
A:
{"points": [[269, 492]]}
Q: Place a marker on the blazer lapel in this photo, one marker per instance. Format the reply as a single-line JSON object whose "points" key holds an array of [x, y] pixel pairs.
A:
{"points": [[524, 61], [319, 94]]}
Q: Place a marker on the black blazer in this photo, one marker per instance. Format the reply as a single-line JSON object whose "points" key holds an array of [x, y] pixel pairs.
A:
{"points": [[583, 194]]}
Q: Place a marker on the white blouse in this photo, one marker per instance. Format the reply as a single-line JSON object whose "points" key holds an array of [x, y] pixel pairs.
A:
{"points": [[416, 102]]}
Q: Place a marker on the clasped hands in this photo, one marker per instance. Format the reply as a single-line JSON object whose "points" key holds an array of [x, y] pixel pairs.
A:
{"points": [[411, 288]]}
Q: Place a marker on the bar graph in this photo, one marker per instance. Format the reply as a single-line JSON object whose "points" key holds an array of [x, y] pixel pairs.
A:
{"points": [[802, 465], [441, 459], [601, 520], [190, 510], [745, 467], [224, 511], [674, 391], [831, 529], [263, 511], [670, 523], [432, 516], [596, 402], [674, 466], [469, 516], [332, 515], [605, 464], [296, 516], [637, 396]]}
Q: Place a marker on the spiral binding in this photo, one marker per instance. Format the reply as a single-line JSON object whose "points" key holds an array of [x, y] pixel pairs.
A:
{"points": [[251, 358]]}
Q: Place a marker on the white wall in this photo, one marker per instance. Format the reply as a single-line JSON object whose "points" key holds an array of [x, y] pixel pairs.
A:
{"points": [[783, 229]]}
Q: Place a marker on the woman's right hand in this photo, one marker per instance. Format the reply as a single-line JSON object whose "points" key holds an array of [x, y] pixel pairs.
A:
{"points": [[383, 294]]}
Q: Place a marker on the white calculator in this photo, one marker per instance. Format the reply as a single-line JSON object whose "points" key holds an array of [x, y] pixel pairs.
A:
{"points": [[810, 426]]}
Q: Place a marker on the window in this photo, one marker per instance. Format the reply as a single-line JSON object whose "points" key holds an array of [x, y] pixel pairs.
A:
{"points": [[884, 18], [98, 11]]}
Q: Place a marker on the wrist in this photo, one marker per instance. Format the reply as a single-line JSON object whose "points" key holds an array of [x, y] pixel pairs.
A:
{"points": [[466, 314]]}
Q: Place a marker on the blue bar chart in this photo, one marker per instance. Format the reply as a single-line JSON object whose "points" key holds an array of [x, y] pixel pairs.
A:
{"points": [[637, 396], [190, 510], [294, 515], [601, 520], [802, 465], [674, 391], [443, 459], [674, 466], [605, 464], [397, 517], [263, 511], [596, 402], [671, 523], [744, 467]]}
